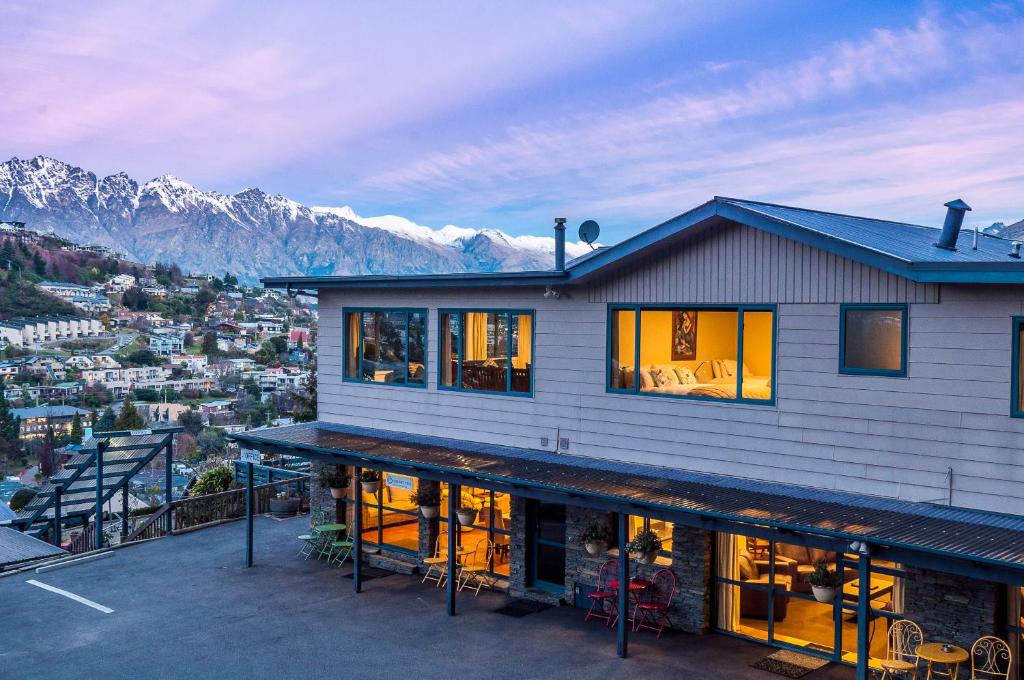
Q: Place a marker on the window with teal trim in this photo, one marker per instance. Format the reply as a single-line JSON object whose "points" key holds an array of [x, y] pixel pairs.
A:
{"points": [[716, 353], [386, 346], [873, 340], [1017, 382], [486, 351]]}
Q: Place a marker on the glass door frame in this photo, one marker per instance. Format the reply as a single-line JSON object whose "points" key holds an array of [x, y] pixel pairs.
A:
{"points": [[533, 540]]}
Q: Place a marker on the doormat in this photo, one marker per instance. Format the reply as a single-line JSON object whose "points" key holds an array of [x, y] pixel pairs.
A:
{"points": [[370, 573], [789, 664], [521, 608]]}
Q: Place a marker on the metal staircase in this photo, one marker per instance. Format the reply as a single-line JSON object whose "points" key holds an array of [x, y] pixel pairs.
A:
{"points": [[71, 494]]}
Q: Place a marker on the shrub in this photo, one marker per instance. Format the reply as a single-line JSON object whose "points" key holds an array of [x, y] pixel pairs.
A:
{"points": [[644, 543], [21, 498], [214, 480]]}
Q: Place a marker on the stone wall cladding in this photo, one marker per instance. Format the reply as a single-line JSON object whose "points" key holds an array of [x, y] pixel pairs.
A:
{"points": [[691, 564], [951, 608]]}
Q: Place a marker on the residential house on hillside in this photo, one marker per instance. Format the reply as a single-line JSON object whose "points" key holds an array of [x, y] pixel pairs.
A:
{"points": [[86, 299], [33, 331], [120, 283], [756, 389], [36, 419], [166, 344]]}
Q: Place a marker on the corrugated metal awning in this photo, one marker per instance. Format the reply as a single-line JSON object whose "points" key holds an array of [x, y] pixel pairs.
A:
{"points": [[984, 538]]}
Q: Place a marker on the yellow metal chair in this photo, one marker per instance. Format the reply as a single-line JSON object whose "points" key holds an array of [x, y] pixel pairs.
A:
{"points": [[991, 659], [437, 564], [475, 571], [901, 660]]}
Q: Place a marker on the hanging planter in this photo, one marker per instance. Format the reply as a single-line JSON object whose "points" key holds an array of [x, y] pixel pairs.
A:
{"points": [[823, 583], [467, 516], [337, 480], [595, 538], [428, 497], [370, 480], [645, 545]]}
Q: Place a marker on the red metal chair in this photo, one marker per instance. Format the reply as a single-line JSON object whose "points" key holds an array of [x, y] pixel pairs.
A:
{"points": [[652, 613], [602, 600]]}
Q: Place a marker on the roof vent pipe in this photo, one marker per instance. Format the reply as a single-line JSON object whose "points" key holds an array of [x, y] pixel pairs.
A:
{"points": [[951, 227], [1015, 249], [560, 244]]}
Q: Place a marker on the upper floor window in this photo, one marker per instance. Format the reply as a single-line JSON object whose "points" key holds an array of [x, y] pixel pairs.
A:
{"points": [[722, 353], [386, 346], [873, 339], [486, 351], [1017, 396]]}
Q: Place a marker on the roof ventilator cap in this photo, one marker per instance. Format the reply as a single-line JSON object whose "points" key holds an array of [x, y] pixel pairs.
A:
{"points": [[1015, 249], [951, 227], [560, 244]]}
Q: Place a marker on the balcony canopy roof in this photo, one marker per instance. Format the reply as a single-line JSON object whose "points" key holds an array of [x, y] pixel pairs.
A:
{"points": [[988, 545]]}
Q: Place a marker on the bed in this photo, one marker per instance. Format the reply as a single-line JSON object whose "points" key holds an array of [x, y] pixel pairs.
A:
{"points": [[717, 380]]}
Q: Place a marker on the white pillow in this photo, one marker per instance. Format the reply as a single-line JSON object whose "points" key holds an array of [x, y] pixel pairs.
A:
{"points": [[646, 380], [685, 375], [668, 374]]}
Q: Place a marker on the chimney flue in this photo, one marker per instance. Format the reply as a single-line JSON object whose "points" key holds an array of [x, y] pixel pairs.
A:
{"points": [[559, 244], [955, 211]]}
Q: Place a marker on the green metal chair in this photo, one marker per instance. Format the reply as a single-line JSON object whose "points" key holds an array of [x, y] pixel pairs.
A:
{"points": [[341, 550], [311, 540]]}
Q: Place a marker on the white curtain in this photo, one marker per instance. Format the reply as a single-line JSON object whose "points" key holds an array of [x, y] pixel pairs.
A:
{"points": [[728, 567]]}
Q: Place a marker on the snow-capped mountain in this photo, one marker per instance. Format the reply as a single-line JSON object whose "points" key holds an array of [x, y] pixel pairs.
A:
{"points": [[250, 233]]}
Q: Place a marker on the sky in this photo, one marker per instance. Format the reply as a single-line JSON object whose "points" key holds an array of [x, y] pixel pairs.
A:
{"points": [[506, 115]]}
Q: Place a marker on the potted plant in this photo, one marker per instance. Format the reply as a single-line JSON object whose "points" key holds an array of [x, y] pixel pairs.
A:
{"points": [[823, 583], [284, 505], [429, 500], [370, 480], [595, 538], [337, 480], [645, 545], [467, 510]]}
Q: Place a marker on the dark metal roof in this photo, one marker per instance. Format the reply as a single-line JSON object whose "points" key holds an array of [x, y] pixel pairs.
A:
{"points": [[901, 248], [16, 547], [986, 538]]}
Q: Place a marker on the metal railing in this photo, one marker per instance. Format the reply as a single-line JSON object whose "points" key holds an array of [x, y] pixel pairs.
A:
{"points": [[187, 514]]}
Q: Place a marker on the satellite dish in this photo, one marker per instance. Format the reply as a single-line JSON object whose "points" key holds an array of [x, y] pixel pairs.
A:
{"points": [[589, 231]]}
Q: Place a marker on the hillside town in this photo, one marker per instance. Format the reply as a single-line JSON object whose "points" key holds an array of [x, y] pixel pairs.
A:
{"points": [[92, 341]]}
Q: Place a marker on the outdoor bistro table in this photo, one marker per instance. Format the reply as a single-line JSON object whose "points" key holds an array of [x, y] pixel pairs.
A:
{"points": [[933, 653], [320, 528], [636, 586]]}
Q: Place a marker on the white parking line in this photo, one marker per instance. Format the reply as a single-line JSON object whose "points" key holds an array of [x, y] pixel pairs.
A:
{"points": [[72, 596]]}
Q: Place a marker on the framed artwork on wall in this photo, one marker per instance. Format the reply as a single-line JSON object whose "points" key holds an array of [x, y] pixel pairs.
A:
{"points": [[684, 335]]}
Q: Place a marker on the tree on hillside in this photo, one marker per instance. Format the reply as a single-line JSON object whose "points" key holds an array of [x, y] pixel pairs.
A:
{"points": [[304, 410], [129, 418], [8, 257], [211, 442], [76, 429], [107, 421], [192, 421], [38, 264], [10, 432], [210, 344]]}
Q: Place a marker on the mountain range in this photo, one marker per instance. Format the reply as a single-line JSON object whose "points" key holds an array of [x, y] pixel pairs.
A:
{"points": [[250, 233]]}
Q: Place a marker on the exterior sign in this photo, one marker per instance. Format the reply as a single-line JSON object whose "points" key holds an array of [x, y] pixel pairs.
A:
{"points": [[399, 481], [250, 456]]}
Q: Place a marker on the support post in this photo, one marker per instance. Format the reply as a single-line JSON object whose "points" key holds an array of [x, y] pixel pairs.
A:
{"points": [[622, 636], [249, 508], [124, 511], [100, 448], [58, 490], [863, 615], [168, 484], [357, 533], [454, 492]]}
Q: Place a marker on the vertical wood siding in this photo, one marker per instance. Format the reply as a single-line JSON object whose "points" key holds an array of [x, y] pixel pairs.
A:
{"points": [[740, 263], [894, 437]]}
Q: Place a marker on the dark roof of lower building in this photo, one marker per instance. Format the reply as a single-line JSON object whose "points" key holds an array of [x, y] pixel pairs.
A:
{"points": [[987, 538], [901, 248], [16, 548]]}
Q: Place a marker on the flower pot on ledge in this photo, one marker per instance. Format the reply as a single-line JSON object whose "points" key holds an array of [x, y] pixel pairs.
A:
{"points": [[647, 557], [595, 548]]}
